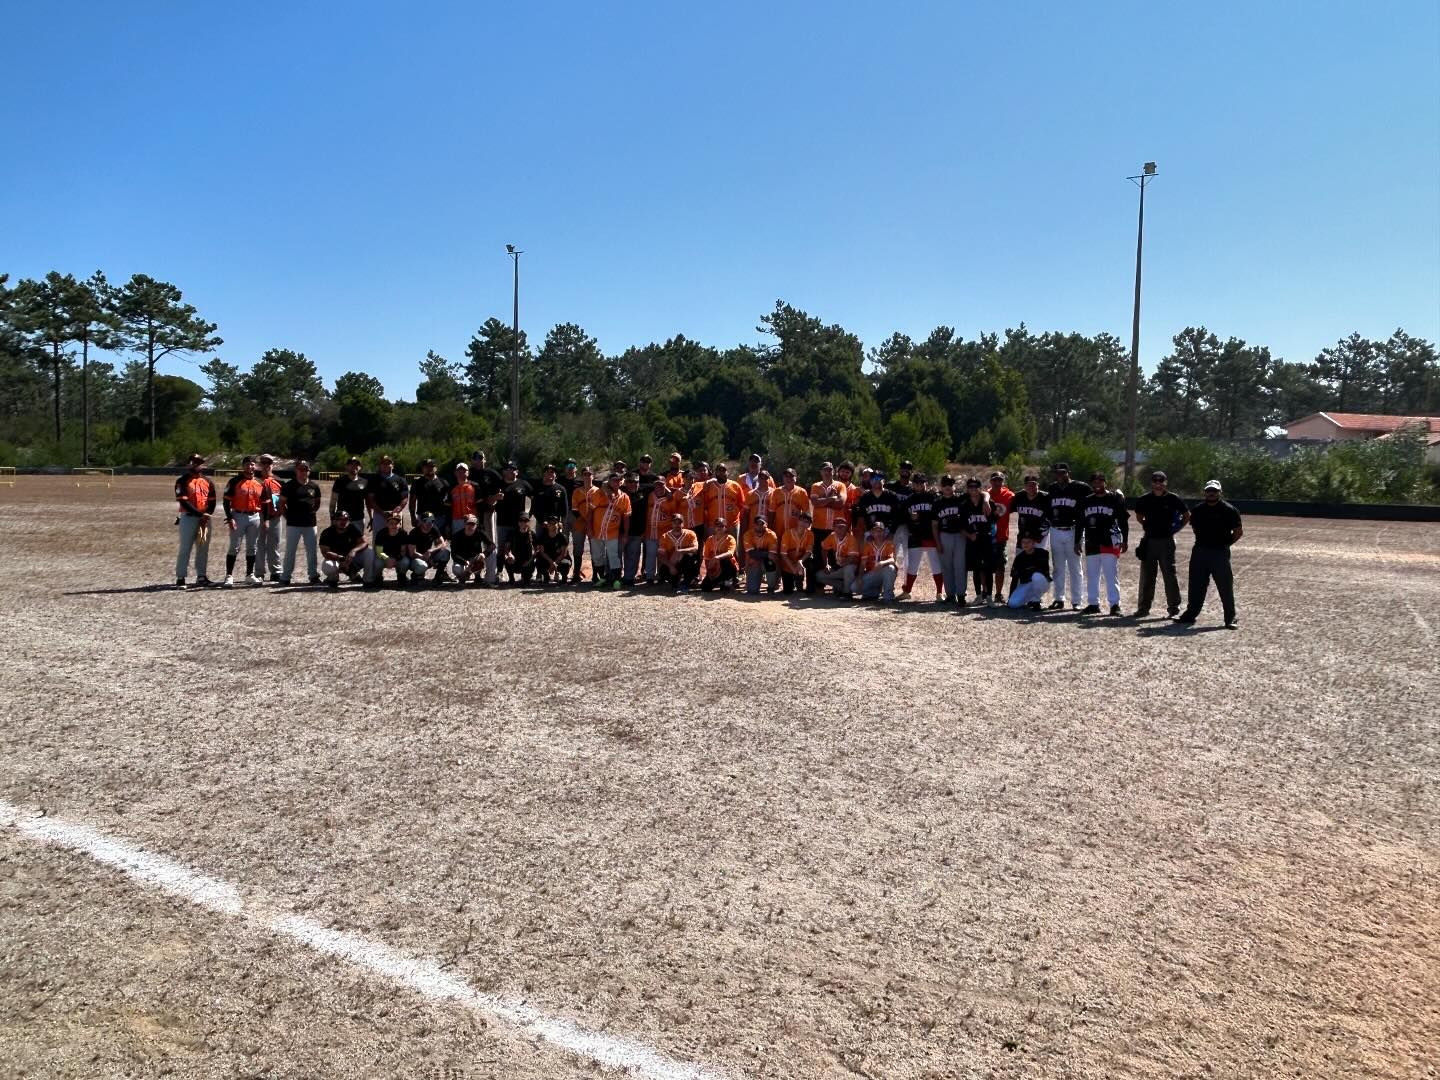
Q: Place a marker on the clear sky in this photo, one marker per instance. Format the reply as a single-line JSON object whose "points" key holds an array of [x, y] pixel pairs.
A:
{"points": [[342, 178]]}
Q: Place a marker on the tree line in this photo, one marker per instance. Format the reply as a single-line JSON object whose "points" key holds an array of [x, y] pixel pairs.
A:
{"points": [[79, 384]]}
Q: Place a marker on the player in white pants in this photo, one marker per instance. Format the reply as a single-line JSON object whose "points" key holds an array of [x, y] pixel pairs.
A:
{"points": [[1067, 565], [1108, 567], [1030, 577]]}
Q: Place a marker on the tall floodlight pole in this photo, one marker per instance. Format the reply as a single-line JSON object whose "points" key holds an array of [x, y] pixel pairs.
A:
{"points": [[515, 254], [1147, 173]]}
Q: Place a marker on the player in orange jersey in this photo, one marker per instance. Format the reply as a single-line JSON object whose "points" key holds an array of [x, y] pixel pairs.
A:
{"points": [[721, 568]]}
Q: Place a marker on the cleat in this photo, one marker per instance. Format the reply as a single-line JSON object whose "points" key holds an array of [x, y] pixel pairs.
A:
{"points": [[1034, 605], [1114, 609], [1057, 605], [229, 582], [1091, 609], [1186, 619], [180, 583]]}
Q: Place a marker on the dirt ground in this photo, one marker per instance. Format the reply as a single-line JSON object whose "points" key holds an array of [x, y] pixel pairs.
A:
{"points": [[775, 838]]}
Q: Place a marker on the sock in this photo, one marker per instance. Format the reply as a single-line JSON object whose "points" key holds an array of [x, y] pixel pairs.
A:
{"points": [[909, 582], [249, 566], [229, 565], [939, 580]]}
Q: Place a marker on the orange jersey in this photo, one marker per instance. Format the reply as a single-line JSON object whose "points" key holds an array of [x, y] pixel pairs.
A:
{"points": [[755, 502], [719, 545], [766, 541], [244, 496], [657, 516], [797, 543], [670, 543], [1002, 523], [876, 553], [688, 503], [462, 501], [825, 515], [724, 499], [196, 491], [845, 552], [784, 504], [607, 517], [674, 480], [583, 502]]}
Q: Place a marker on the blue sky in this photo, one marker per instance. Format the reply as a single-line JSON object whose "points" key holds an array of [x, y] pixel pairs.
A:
{"points": [[345, 184]]}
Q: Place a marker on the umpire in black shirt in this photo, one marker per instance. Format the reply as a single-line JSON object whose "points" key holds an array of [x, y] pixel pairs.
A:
{"points": [[1161, 514], [1217, 527]]}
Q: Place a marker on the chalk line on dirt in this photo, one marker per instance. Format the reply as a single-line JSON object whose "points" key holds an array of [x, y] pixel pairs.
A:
{"points": [[422, 975]]}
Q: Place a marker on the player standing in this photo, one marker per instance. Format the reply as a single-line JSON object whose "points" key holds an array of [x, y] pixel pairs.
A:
{"points": [[348, 494], [1104, 526], [1065, 495], [271, 523], [920, 513], [242, 500], [1161, 514], [1217, 529], [300, 507], [195, 494], [949, 528], [1000, 497]]}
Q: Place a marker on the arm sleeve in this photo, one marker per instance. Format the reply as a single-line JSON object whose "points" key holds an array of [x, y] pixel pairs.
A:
{"points": [[229, 489]]}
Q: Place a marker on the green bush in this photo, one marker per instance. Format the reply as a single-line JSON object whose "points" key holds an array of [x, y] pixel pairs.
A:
{"points": [[1082, 456], [1187, 462]]}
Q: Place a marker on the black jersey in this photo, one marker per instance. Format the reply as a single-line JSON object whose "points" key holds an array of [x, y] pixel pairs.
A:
{"points": [[1032, 515], [1065, 502], [1214, 525], [349, 494], [391, 545], [389, 492], [920, 511], [884, 508], [1163, 513], [1028, 564], [979, 519], [302, 502], [549, 501], [1105, 522], [431, 496], [949, 513], [341, 541]]}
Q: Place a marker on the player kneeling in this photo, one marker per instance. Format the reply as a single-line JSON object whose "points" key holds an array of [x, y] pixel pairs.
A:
{"points": [[388, 552], [467, 550], [428, 548], [679, 556], [877, 580], [722, 570], [841, 554], [552, 553], [343, 550], [1030, 575], [517, 554]]}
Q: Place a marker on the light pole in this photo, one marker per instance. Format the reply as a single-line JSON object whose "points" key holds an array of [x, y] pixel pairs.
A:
{"points": [[515, 254], [1147, 173]]}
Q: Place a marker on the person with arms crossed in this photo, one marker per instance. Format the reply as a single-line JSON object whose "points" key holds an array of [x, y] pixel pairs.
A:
{"points": [[979, 539], [462, 500], [1104, 532], [724, 503], [609, 527], [1161, 514], [828, 497], [300, 507], [195, 495], [1065, 495], [386, 492], [679, 557], [1217, 528], [796, 546], [343, 550], [1030, 575], [243, 499], [785, 504]]}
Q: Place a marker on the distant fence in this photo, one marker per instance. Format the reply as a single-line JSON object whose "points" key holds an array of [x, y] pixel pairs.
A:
{"points": [[93, 477], [7, 475], [1344, 511]]}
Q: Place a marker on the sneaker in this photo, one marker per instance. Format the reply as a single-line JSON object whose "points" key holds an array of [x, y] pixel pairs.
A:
{"points": [[1057, 605], [1034, 605], [281, 581], [251, 579], [203, 583], [1186, 619], [614, 585], [1090, 609], [180, 583], [682, 587], [1231, 624], [1174, 611], [1114, 609], [961, 601], [999, 598], [229, 582], [315, 580], [1142, 613]]}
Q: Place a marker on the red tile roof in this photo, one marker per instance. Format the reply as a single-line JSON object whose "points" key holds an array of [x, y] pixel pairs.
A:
{"points": [[1375, 421]]}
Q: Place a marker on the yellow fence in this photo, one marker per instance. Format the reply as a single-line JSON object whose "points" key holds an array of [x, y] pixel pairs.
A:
{"points": [[93, 477], [331, 475], [7, 475]]}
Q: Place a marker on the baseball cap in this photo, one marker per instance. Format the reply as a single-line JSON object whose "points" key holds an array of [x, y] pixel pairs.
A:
{"points": [[1061, 466], [302, 464], [947, 480], [1031, 478], [510, 465], [266, 459], [197, 457], [825, 465], [1097, 475], [907, 464], [1158, 475], [523, 517], [353, 461], [756, 457], [997, 475], [340, 514], [1213, 485], [427, 461], [460, 466], [570, 464], [874, 476], [471, 519]]}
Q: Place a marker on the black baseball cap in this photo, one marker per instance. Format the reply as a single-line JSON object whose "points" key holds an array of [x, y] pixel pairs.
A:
{"points": [[1158, 475]]}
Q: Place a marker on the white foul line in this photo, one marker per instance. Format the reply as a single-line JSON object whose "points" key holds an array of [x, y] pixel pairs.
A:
{"points": [[422, 975]]}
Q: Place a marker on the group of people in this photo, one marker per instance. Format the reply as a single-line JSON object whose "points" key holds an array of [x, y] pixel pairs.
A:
{"points": [[691, 527]]}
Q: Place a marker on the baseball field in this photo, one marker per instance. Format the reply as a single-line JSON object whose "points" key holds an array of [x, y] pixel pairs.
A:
{"points": [[514, 834]]}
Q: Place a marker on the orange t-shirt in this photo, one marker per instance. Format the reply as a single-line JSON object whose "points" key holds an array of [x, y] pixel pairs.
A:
{"points": [[670, 543], [583, 502], [797, 543], [607, 517], [877, 553], [825, 515], [462, 501], [719, 545], [1002, 523], [657, 516], [766, 541], [785, 504], [723, 502], [246, 495], [848, 551]]}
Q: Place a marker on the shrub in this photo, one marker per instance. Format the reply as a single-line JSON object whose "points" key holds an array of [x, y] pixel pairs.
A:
{"points": [[1082, 456]]}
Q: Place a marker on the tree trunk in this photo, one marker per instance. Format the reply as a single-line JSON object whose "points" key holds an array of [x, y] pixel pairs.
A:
{"points": [[56, 350]]}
